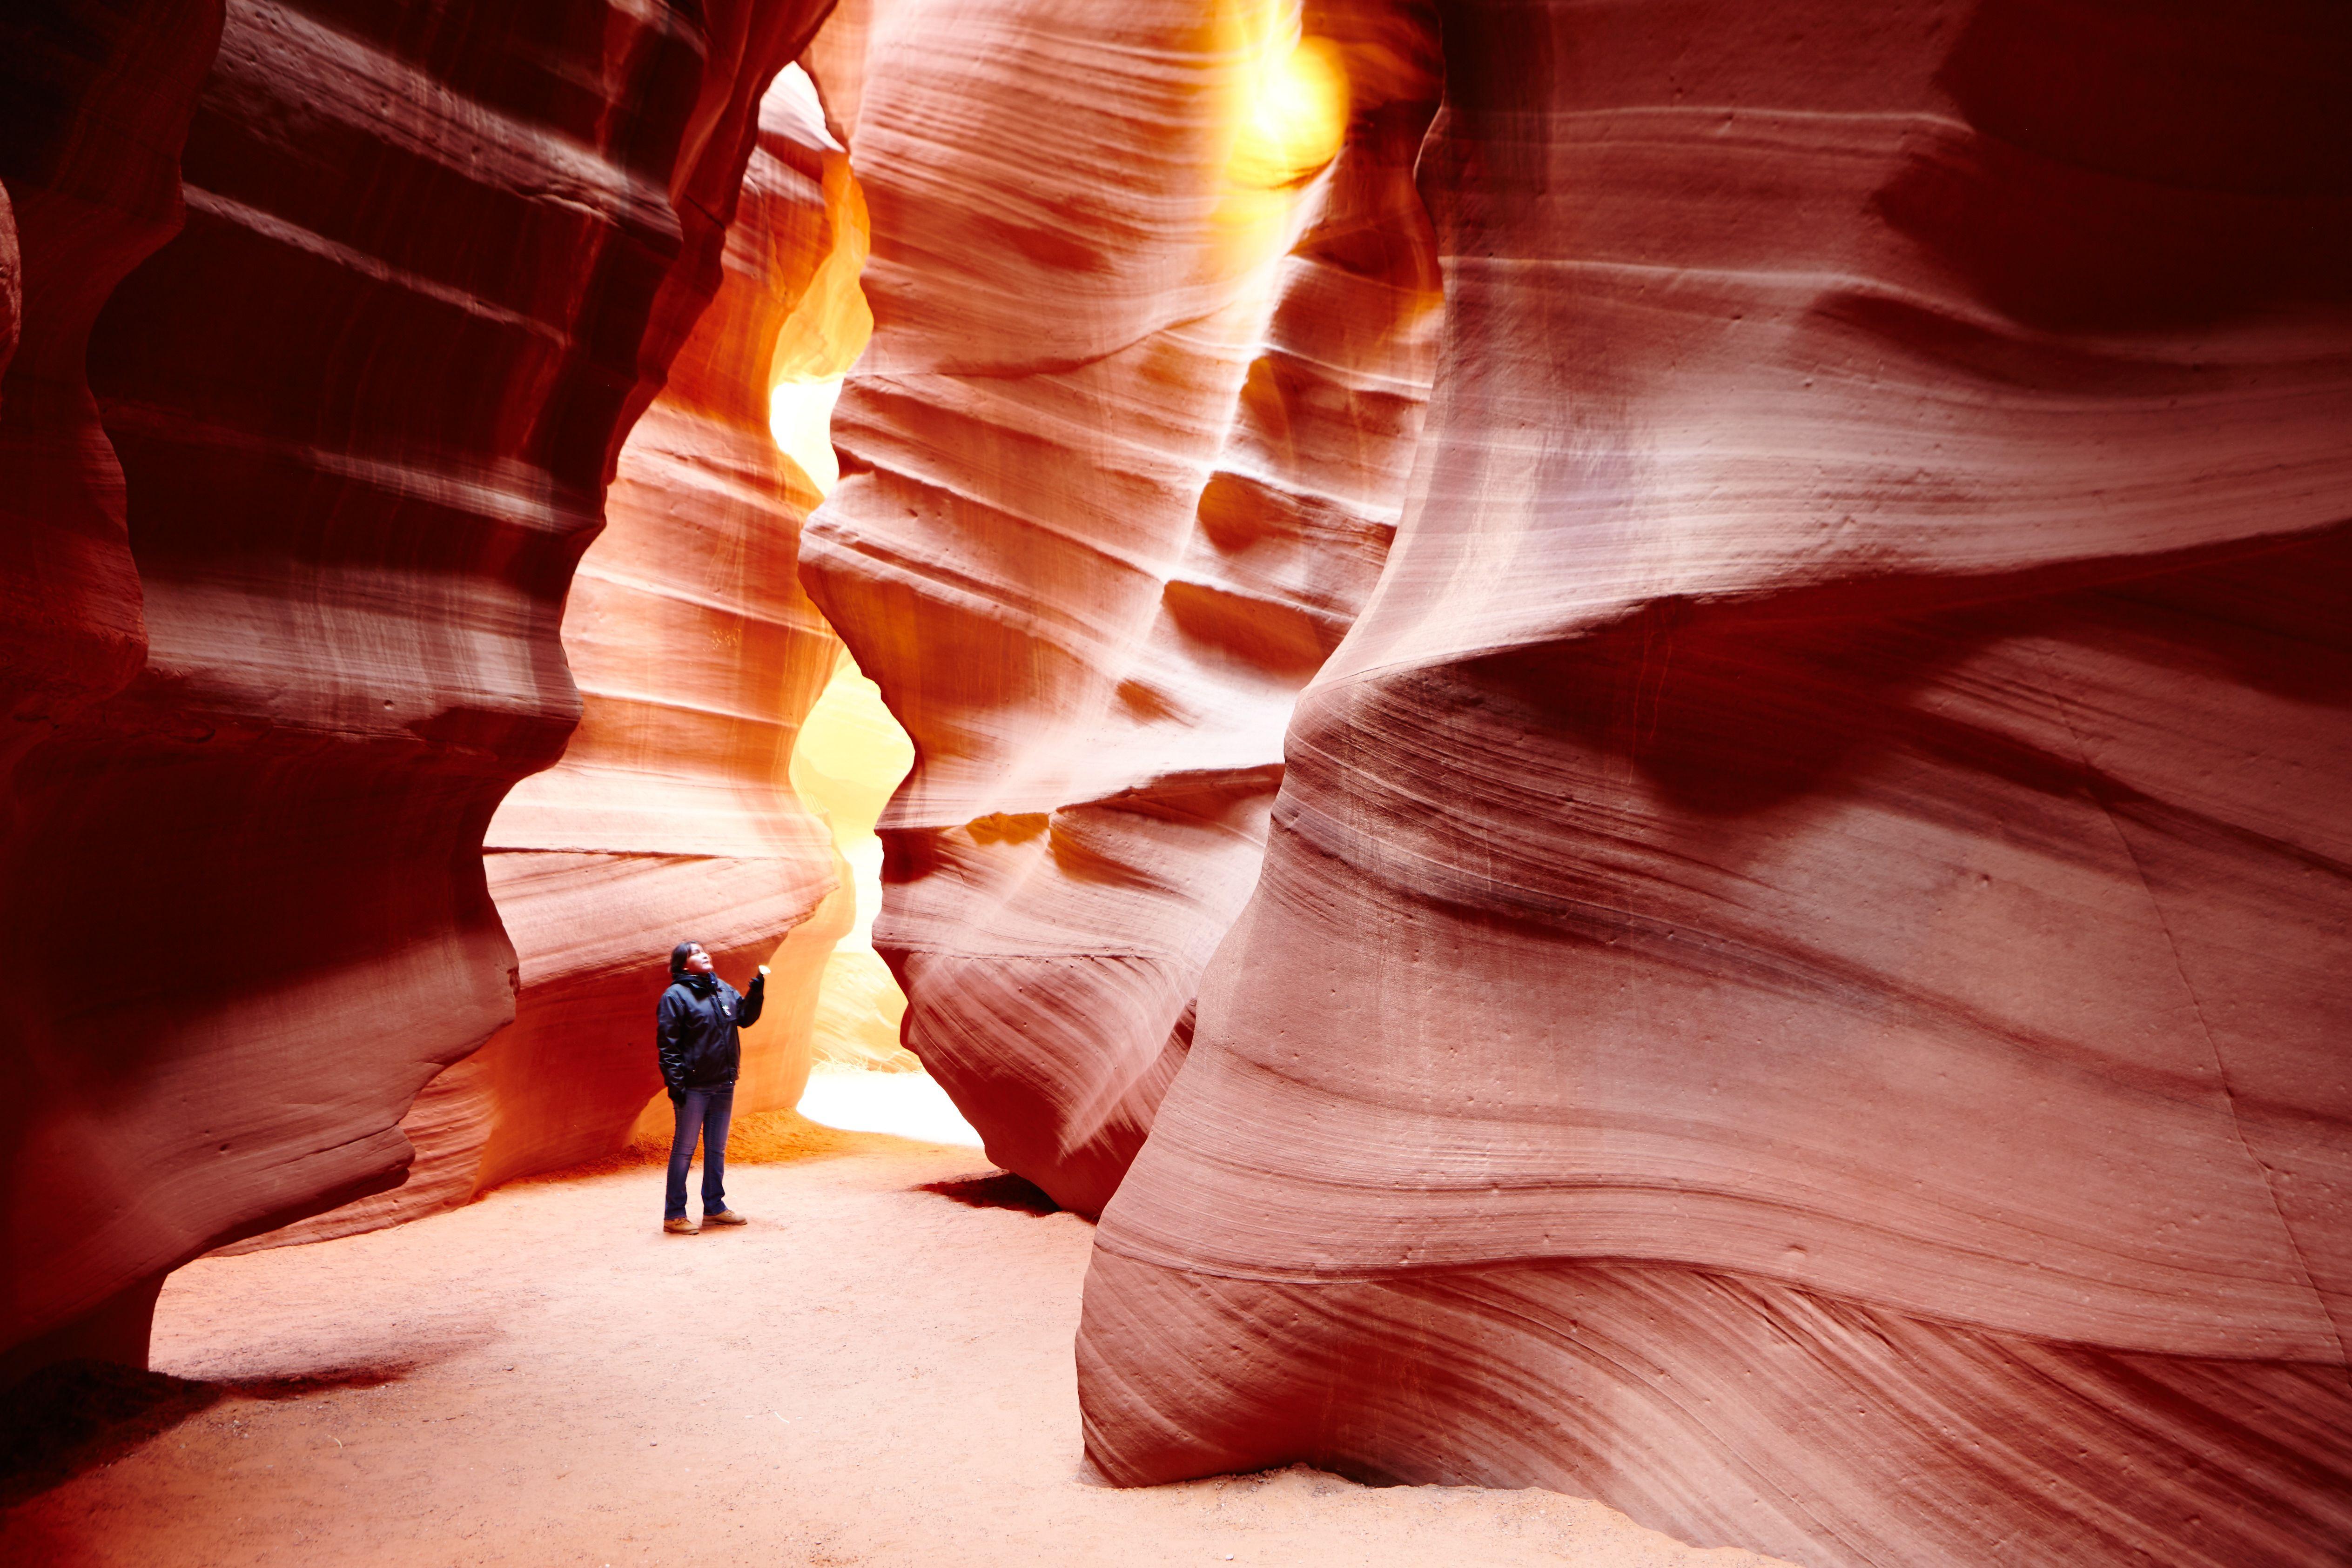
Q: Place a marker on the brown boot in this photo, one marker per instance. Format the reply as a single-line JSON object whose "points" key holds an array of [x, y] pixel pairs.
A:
{"points": [[681, 1226], [725, 1216]]}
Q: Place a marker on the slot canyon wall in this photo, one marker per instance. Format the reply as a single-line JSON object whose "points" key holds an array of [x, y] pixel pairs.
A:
{"points": [[696, 656], [95, 102], [435, 263], [1119, 467], [1663, 684], [1798, 984]]}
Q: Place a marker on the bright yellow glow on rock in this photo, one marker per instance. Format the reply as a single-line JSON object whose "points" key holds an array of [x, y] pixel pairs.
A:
{"points": [[1287, 105], [850, 756], [822, 337], [831, 320], [800, 417], [1296, 113]]}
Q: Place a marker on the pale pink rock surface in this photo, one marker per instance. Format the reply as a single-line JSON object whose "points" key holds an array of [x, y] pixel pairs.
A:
{"points": [[1122, 463], [366, 403], [1799, 979]]}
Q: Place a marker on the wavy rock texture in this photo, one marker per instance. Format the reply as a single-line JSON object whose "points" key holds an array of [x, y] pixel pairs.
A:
{"points": [[1119, 467], [696, 656], [1797, 983], [366, 404], [94, 106]]}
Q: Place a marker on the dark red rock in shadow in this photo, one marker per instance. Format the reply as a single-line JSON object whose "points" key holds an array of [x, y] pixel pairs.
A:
{"points": [[95, 102], [1000, 1189]]}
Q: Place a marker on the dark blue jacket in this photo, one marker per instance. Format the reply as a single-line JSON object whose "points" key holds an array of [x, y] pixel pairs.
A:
{"points": [[693, 1031]]}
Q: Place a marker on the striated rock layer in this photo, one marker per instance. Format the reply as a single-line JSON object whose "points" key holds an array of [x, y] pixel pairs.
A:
{"points": [[1120, 467], [1797, 983], [669, 817], [436, 262], [94, 106]]}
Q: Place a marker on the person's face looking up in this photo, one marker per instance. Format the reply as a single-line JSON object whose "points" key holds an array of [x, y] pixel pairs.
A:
{"points": [[698, 961]]}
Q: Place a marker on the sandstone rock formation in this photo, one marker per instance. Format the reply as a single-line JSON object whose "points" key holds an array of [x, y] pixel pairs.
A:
{"points": [[1799, 981], [94, 105], [1745, 917], [1121, 464], [366, 404], [670, 815]]}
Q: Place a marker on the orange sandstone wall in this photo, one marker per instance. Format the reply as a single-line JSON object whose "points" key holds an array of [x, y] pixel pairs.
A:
{"points": [[1799, 981], [670, 815], [1119, 466], [436, 262]]}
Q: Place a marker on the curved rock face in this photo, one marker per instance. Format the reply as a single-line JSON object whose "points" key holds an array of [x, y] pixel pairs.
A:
{"points": [[1798, 978], [94, 106], [366, 407], [697, 655], [1121, 466]]}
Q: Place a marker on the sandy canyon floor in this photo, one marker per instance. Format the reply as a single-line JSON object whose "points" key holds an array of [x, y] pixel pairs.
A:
{"points": [[877, 1371]]}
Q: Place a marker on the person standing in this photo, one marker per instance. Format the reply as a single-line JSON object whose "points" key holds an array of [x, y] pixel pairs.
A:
{"points": [[695, 1037]]}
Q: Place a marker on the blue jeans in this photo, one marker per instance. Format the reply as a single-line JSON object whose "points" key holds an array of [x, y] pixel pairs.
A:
{"points": [[703, 1112]]}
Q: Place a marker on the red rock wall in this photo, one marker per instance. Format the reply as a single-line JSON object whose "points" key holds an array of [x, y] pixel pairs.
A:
{"points": [[669, 816], [94, 106], [1119, 466], [1798, 978], [366, 404]]}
